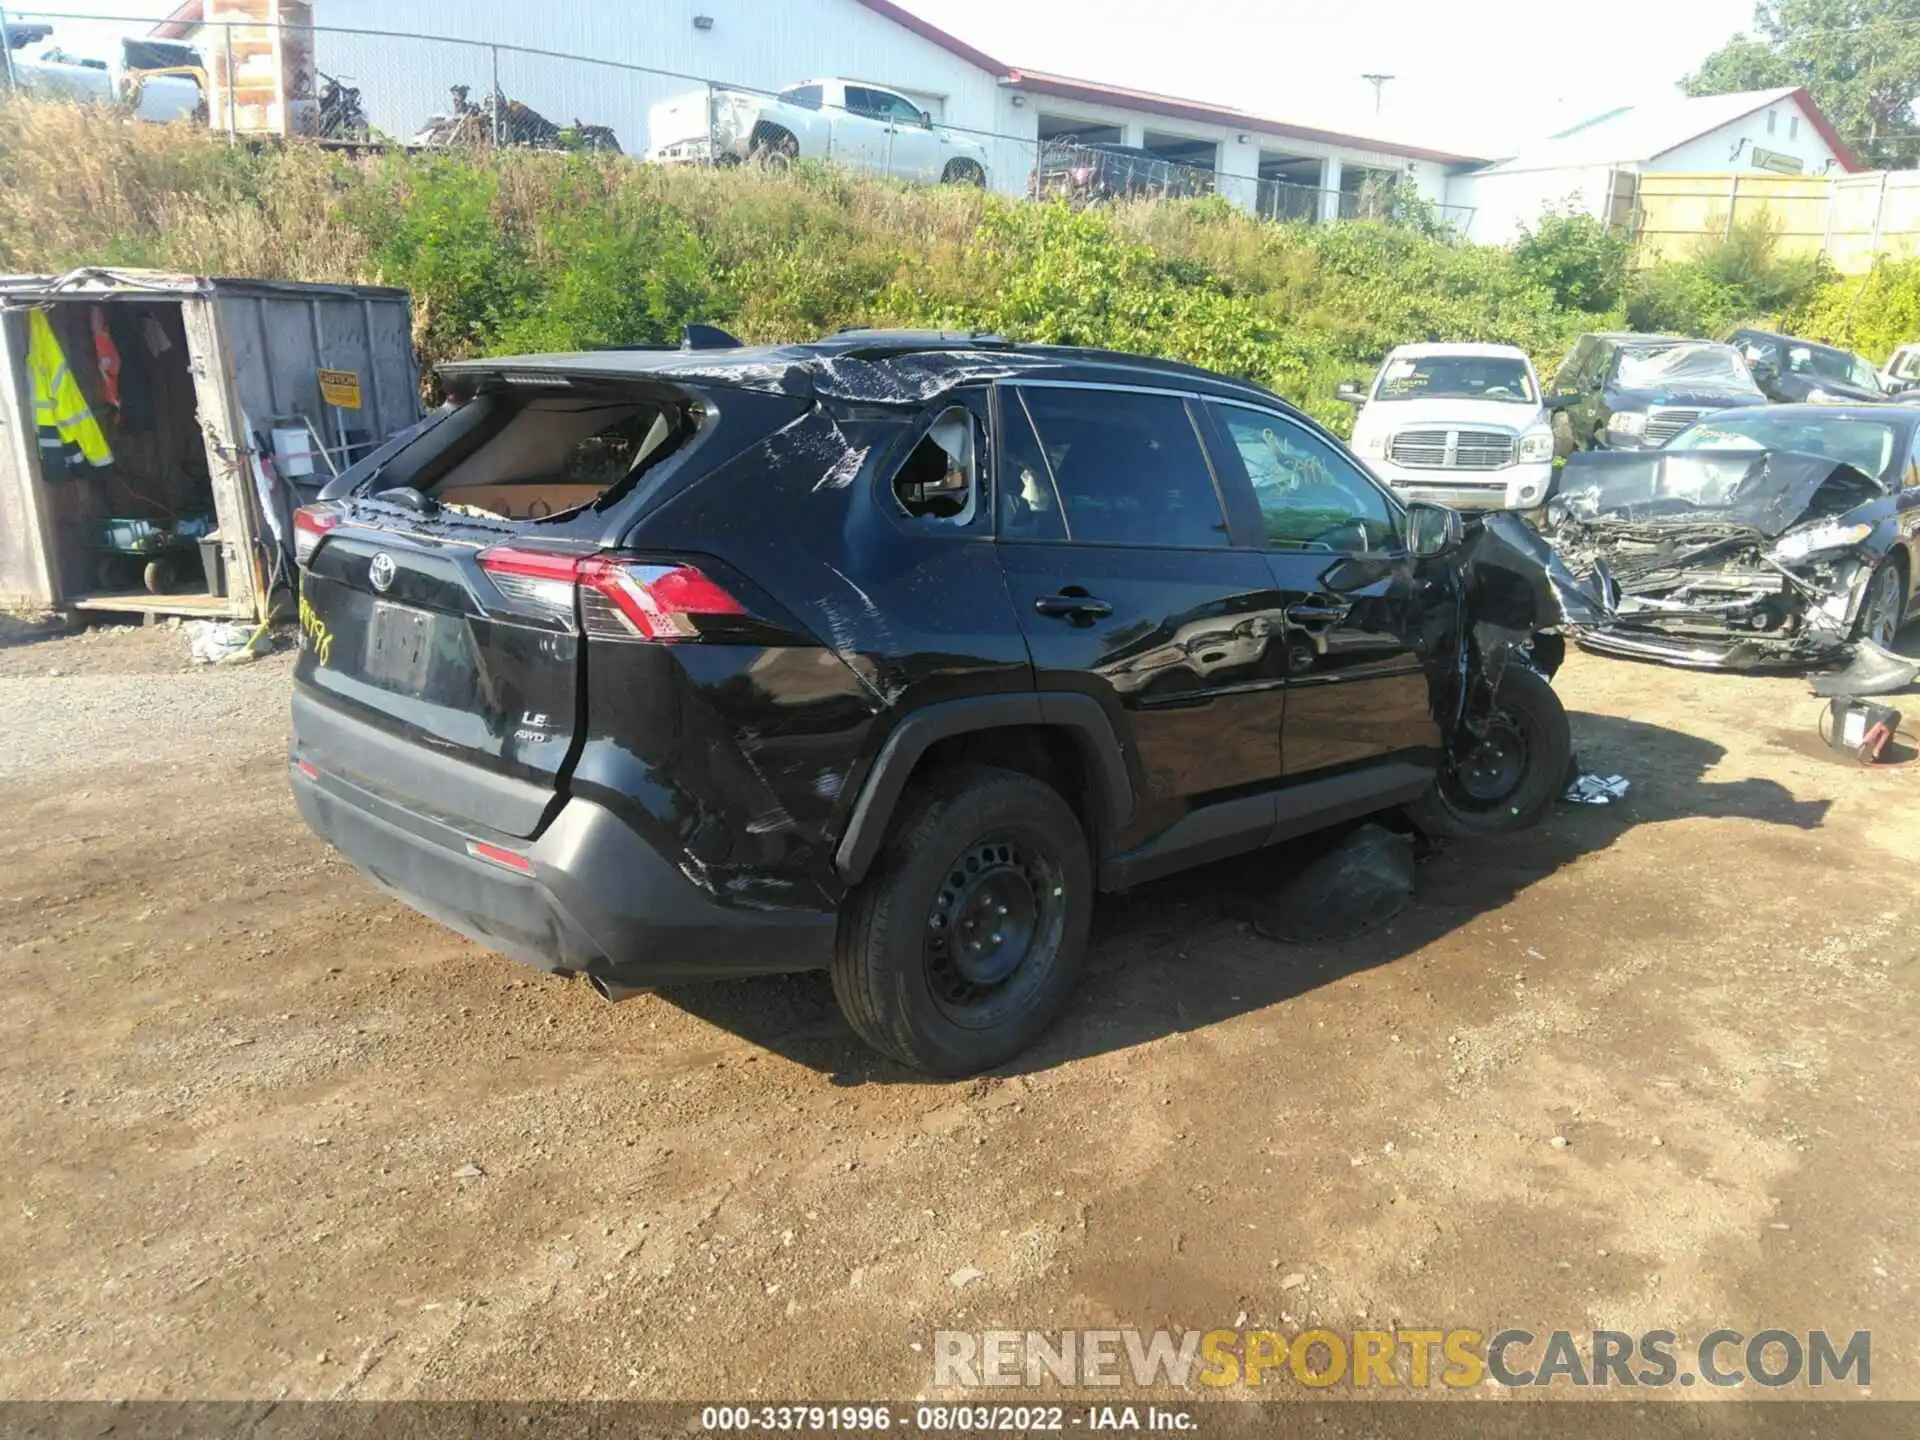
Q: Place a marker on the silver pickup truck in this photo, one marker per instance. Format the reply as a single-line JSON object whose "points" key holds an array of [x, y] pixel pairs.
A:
{"points": [[848, 122]]}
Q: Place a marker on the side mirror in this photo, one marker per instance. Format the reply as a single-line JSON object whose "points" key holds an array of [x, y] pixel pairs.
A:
{"points": [[1764, 372], [1559, 400], [926, 119], [1432, 530], [1350, 391]]}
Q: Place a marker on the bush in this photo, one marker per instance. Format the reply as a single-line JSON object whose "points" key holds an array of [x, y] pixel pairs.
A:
{"points": [[1730, 280], [1872, 314], [1582, 263]]}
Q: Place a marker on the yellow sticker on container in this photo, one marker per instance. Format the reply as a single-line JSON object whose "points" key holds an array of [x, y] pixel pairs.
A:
{"points": [[341, 388]]}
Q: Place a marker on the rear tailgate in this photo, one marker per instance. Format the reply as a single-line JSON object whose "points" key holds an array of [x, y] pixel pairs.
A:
{"points": [[404, 636], [682, 127]]}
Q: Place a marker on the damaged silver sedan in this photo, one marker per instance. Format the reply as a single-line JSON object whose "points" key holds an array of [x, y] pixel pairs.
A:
{"points": [[1757, 539]]}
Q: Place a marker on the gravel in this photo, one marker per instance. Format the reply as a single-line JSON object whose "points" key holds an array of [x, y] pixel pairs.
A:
{"points": [[57, 724]]}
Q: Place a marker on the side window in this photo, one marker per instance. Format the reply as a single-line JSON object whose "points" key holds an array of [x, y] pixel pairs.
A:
{"points": [[896, 107], [1127, 466], [1913, 462], [1311, 496], [940, 480], [862, 101], [807, 97], [1030, 506]]}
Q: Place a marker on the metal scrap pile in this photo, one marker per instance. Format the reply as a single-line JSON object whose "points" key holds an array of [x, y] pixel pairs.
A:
{"points": [[502, 121]]}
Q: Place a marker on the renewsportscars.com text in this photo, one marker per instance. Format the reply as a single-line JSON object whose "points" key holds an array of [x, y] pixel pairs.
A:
{"points": [[1454, 1359]]}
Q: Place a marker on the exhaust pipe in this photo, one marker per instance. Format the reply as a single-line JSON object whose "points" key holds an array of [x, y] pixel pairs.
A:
{"points": [[613, 990]]}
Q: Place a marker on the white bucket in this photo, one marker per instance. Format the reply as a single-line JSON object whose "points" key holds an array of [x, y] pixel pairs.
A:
{"points": [[293, 452]]}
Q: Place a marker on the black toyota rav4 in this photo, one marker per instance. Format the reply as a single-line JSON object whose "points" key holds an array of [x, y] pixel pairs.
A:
{"points": [[881, 655]]}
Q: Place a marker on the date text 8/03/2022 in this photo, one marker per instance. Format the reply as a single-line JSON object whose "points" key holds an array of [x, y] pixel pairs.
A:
{"points": [[962, 1419]]}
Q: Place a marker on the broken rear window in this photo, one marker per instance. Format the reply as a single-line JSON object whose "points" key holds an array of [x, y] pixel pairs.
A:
{"points": [[547, 455]]}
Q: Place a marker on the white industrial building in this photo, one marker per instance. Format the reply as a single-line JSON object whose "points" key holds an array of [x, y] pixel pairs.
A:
{"points": [[759, 44], [1594, 167]]}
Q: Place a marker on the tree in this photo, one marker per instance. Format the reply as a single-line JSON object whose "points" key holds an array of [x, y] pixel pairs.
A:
{"points": [[1859, 58]]}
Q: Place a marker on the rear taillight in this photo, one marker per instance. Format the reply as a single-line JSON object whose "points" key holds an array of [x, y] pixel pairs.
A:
{"points": [[619, 599], [622, 600], [310, 527]]}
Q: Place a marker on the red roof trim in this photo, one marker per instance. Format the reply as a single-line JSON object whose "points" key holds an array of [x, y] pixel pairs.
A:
{"points": [[1842, 152], [928, 31], [1070, 89], [183, 18]]}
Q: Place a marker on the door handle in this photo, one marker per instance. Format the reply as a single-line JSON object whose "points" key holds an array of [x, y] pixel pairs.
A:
{"points": [[1318, 613], [1081, 609]]}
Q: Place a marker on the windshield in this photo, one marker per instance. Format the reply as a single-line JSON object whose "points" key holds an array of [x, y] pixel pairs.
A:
{"points": [[1821, 363], [1456, 377], [1869, 445], [1701, 364]]}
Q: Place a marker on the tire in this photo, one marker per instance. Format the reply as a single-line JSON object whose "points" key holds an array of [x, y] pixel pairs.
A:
{"points": [[964, 172], [1883, 609], [970, 844], [775, 153], [1476, 794], [1563, 442]]}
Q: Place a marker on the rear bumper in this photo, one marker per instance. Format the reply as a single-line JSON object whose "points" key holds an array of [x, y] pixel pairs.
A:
{"points": [[595, 897]]}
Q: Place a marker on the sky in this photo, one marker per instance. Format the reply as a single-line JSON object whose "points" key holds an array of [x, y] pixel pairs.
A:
{"points": [[1485, 75], [1476, 76]]}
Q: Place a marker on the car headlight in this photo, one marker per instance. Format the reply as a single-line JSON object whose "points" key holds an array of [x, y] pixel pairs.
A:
{"points": [[1627, 424], [1373, 446], [1537, 444], [1819, 539]]}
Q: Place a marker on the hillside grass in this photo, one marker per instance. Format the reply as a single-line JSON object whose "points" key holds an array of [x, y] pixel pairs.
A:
{"points": [[518, 251]]}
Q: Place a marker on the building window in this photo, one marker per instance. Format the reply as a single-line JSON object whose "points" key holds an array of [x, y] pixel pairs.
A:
{"points": [[1773, 120], [1793, 128]]}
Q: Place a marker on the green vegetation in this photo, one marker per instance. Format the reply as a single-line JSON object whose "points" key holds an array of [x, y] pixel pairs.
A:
{"points": [[519, 252]]}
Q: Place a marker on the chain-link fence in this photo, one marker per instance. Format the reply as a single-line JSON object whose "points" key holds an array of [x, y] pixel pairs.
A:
{"points": [[367, 88]]}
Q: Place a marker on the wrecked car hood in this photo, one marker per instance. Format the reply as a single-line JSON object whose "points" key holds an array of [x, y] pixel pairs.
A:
{"points": [[1768, 491]]}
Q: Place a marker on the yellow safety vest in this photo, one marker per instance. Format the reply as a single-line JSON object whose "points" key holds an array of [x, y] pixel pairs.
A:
{"points": [[58, 406]]}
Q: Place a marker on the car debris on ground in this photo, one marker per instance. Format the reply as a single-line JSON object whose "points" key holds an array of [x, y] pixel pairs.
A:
{"points": [[1597, 789], [1360, 884]]}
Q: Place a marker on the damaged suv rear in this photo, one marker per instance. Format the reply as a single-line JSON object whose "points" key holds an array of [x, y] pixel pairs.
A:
{"points": [[881, 655], [1756, 539]]}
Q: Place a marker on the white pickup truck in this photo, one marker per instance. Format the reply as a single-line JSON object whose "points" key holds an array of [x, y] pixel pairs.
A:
{"points": [[1461, 424], [45, 71], [846, 121]]}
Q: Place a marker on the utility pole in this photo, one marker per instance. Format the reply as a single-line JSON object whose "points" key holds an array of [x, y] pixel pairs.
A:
{"points": [[1379, 83]]}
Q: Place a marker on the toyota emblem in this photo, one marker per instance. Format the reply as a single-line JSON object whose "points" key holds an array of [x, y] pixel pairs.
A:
{"points": [[380, 572]]}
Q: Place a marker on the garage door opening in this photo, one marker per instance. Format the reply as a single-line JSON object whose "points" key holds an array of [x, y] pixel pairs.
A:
{"points": [[1290, 186]]}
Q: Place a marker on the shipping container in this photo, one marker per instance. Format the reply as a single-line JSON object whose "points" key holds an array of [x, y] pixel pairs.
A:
{"points": [[207, 410]]}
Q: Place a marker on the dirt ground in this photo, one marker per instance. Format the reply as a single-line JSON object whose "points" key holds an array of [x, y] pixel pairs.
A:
{"points": [[266, 1134]]}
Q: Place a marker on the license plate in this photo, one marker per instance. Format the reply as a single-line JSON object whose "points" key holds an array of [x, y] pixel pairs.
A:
{"points": [[399, 647]]}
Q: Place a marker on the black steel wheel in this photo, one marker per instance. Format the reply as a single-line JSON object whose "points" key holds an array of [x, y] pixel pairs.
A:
{"points": [[1508, 776], [965, 942]]}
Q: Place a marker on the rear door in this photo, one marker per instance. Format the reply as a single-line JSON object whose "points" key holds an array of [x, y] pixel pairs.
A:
{"points": [[1130, 588], [1348, 597]]}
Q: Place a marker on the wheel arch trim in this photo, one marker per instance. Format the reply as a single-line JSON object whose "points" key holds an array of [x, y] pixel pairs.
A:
{"points": [[1080, 717]]}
